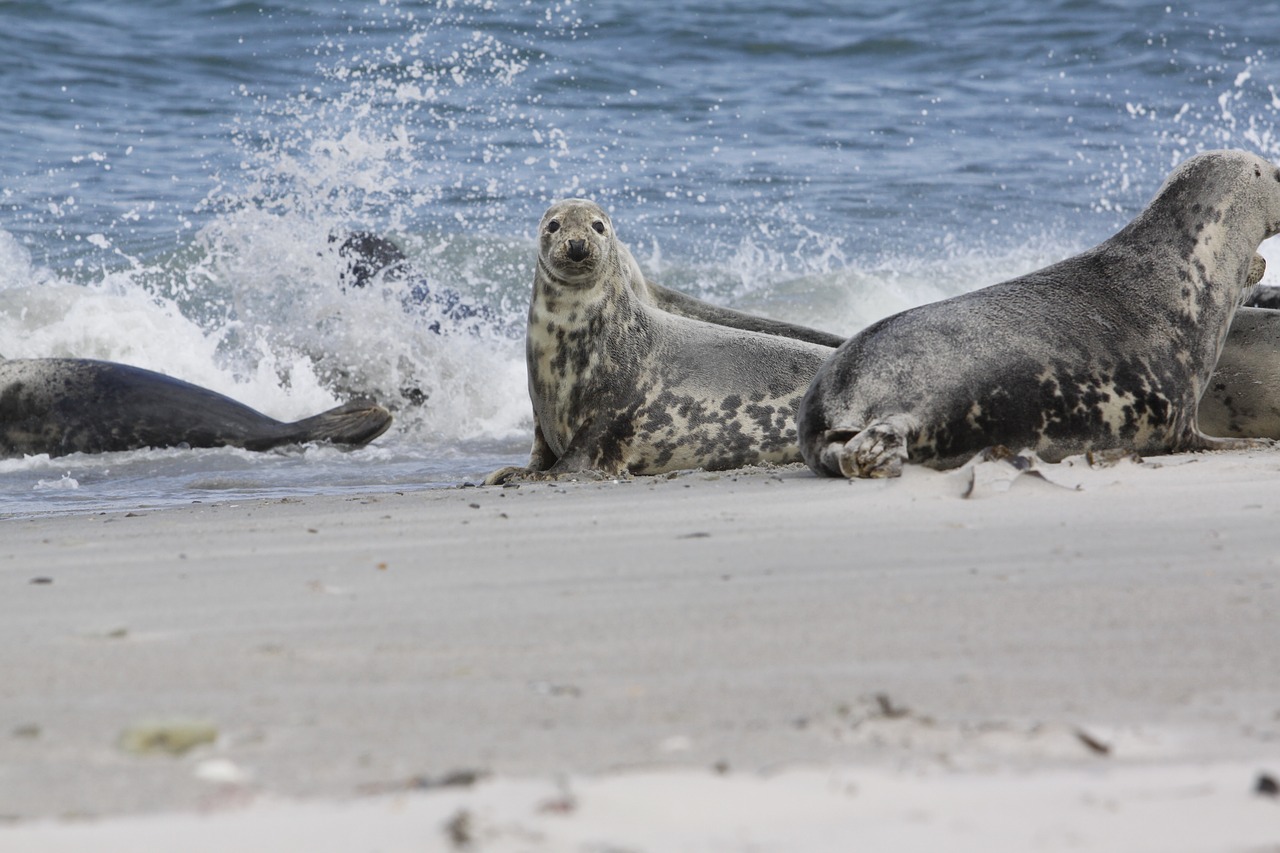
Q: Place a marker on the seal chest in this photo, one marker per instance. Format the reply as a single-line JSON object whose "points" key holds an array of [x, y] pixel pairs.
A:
{"points": [[1112, 348], [621, 386]]}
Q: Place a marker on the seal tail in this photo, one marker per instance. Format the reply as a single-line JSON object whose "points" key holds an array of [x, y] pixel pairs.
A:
{"points": [[354, 424]]}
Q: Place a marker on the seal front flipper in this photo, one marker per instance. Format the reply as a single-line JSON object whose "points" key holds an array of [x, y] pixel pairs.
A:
{"points": [[583, 458], [577, 462], [1261, 297], [509, 474], [541, 457], [879, 451], [515, 474]]}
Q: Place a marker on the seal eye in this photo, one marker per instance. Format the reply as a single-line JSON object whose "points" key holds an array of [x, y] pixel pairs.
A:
{"points": [[599, 226], [553, 226]]}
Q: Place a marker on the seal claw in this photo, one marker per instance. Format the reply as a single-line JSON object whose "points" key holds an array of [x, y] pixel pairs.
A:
{"points": [[878, 452]]}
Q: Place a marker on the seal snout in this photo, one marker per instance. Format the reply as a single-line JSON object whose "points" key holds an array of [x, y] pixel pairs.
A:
{"points": [[577, 251]]}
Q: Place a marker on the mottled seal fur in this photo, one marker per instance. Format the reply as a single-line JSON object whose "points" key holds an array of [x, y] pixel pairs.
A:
{"points": [[1112, 348], [67, 405], [622, 386]]}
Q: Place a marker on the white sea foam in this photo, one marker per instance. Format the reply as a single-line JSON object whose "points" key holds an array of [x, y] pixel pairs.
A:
{"points": [[64, 483]]}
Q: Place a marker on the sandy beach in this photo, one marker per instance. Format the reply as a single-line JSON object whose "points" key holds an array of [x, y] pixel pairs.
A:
{"points": [[1079, 659]]}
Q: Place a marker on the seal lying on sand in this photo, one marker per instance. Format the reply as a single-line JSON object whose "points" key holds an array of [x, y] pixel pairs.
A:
{"points": [[1243, 398], [1112, 348], [68, 405], [620, 386]]}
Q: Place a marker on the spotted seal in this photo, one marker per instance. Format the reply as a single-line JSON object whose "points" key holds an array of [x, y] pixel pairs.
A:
{"points": [[1112, 348], [1243, 398], [68, 405], [621, 386]]}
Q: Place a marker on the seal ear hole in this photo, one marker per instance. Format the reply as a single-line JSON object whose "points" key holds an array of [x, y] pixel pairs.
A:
{"points": [[553, 226], [598, 226]]}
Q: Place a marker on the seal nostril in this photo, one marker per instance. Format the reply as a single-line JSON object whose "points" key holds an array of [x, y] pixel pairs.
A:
{"points": [[577, 250]]}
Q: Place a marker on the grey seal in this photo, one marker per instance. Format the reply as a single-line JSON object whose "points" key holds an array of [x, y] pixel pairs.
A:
{"points": [[1243, 398], [69, 405], [1112, 348], [621, 386]]}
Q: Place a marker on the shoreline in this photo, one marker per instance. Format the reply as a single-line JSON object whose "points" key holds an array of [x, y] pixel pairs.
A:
{"points": [[752, 628]]}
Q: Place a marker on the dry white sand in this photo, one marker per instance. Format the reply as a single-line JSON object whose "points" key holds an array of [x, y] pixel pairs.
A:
{"points": [[746, 661]]}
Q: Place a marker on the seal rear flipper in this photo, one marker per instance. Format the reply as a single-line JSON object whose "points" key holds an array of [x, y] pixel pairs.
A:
{"points": [[681, 304], [355, 424]]}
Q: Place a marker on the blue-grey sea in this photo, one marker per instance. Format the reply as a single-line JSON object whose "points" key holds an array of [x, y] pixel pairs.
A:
{"points": [[172, 171]]}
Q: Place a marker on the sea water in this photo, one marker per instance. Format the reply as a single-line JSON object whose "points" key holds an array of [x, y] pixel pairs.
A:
{"points": [[174, 173]]}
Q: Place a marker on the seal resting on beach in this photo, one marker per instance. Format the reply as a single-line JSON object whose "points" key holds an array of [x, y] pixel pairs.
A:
{"points": [[621, 386], [1112, 348], [69, 405], [1243, 398]]}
